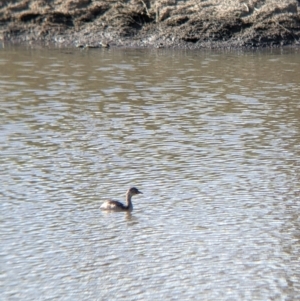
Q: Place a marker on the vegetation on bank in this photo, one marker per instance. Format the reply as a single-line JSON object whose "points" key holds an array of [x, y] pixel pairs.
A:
{"points": [[142, 23]]}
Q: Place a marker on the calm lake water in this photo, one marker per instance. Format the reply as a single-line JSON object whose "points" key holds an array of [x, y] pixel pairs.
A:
{"points": [[212, 139]]}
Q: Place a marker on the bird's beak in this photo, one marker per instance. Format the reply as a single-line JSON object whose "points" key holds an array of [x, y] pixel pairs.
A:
{"points": [[140, 192]]}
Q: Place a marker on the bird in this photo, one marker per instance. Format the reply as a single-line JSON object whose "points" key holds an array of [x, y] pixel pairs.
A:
{"points": [[118, 206]]}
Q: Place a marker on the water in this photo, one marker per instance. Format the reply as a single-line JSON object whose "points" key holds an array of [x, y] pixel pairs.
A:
{"points": [[211, 138]]}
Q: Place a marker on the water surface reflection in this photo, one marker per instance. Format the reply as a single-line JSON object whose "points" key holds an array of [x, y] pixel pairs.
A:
{"points": [[212, 139]]}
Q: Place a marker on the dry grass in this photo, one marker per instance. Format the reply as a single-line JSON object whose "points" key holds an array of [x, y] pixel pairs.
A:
{"points": [[161, 9], [195, 19], [223, 8]]}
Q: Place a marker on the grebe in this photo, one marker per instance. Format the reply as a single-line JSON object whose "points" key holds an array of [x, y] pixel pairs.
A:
{"points": [[117, 206]]}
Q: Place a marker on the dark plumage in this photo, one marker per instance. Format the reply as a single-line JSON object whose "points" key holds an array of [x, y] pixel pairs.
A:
{"points": [[118, 206]]}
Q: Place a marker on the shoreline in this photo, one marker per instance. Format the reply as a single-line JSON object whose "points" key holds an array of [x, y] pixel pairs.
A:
{"points": [[170, 24]]}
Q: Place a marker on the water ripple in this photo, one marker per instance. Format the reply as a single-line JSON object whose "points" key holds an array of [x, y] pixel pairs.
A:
{"points": [[210, 138]]}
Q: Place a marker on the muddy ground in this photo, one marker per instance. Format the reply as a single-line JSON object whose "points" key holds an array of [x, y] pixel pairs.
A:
{"points": [[151, 23]]}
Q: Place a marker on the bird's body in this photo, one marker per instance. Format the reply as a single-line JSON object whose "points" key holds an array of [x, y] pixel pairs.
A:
{"points": [[118, 206], [115, 205]]}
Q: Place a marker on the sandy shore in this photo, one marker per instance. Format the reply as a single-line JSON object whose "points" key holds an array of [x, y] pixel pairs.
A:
{"points": [[152, 23]]}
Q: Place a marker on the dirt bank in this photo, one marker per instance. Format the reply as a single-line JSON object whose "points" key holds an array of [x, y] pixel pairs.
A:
{"points": [[152, 23]]}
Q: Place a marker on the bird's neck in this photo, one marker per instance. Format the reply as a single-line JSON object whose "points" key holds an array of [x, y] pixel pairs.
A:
{"points": [[128, 202]]}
